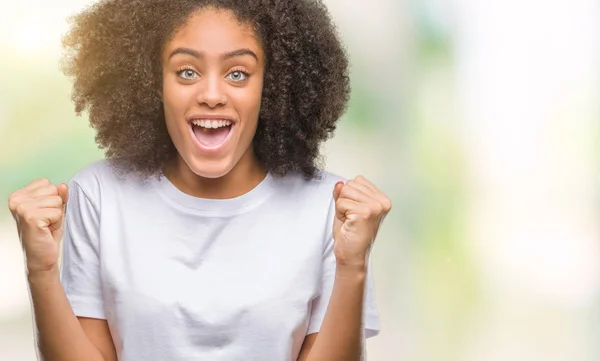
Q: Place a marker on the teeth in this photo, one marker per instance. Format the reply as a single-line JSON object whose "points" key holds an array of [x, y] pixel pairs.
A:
{"points": [[211, 123]]}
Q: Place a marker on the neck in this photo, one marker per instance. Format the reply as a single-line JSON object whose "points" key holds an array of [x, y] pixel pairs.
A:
{"points": [[244, 176]]}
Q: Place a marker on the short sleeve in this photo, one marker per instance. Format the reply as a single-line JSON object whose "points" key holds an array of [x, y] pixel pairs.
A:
{"points": [[319, 304], [80, 267]]}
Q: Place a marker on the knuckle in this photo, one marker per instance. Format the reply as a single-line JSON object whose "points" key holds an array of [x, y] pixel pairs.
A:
{"points": [[344, 191], [13, 200], [57, 201], [12, 204], [52, 189], [29, 217], [20, 209], [378, 209], [387, 205], [375, 210]]}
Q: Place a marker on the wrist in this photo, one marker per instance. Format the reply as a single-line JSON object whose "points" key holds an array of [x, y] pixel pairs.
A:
{"points": [[351, 260], [353, 270], [43, 276], [356, 265]]}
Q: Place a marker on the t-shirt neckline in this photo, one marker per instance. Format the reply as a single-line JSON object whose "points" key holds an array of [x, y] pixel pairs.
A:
{"points": [[228, 206]]}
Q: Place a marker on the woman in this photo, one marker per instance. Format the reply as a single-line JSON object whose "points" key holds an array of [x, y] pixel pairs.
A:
{"points": [[209, 232]]}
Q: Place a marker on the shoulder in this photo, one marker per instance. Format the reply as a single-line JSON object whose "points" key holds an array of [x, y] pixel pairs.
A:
{"points": [[321, 186], [326, 181], [96, 177]]}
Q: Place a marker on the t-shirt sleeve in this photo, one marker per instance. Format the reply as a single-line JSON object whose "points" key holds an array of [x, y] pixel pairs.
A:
{"points": [[319, 304], [80, 267]]}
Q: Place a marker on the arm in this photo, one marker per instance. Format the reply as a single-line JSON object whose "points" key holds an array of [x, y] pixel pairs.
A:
{"points": [[61, 336], [340, 337], [39, 213], [359, 211]]}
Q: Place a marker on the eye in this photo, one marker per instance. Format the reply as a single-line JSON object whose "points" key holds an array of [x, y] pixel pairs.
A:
{"points": [[187, 74], [237, 76]]}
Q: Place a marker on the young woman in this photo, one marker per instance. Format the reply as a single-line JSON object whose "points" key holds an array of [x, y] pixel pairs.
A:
{"points": [[209, 232]]}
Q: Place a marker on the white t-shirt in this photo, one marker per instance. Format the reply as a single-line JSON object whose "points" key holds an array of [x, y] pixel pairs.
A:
{"points": [[184, 278]]}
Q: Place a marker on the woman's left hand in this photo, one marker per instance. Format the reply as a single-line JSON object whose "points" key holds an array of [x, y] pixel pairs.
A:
{"points": [[359, 211]]}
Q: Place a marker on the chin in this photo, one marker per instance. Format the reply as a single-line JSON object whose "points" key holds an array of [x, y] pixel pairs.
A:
{"points": [[209, 169]]}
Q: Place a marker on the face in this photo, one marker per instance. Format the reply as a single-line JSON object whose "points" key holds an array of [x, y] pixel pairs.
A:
{"points": [[212, 84]]}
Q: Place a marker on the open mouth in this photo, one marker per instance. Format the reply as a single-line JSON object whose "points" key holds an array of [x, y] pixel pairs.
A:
{"points": [[211, 133]]}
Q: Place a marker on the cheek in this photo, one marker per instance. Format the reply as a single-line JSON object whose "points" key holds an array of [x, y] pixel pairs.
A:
{"points": [[249, 102], [176, 95]]}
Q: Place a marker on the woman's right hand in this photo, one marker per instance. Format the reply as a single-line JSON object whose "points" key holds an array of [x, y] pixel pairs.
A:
{"points": [[39, 211]]}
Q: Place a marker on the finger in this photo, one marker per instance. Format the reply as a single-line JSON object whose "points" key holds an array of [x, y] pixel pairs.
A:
{"points": [[58, 223], [34, 185], [356, 194], [44, 217], [25, 197], [363, 187], [364, 184], [54, 217], [343, 207], [362, 180], [377, 204], [347, 208], [19, 192], [44, 202], [43, 191]]}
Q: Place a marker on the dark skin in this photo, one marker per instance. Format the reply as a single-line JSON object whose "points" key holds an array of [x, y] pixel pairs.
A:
{"points": [[118, 78], [198, 80], [214, 66], [217, 76]]}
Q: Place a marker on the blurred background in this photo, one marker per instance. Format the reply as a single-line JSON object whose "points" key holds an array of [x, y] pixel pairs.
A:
{"points": [[480, 119]]}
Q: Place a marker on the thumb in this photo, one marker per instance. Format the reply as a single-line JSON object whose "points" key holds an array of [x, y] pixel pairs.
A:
{"points": [[63, 192], [337, 189]]}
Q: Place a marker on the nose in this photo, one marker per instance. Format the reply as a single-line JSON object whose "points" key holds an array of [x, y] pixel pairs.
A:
{"points": [[211, 92]]}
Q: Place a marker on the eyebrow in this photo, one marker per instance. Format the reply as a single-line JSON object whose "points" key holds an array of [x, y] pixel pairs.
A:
{"points": [[224, 56]]}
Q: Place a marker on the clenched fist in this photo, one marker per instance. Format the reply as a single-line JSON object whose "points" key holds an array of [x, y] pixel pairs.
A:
{"points": [[39, 210], [359, 210]]}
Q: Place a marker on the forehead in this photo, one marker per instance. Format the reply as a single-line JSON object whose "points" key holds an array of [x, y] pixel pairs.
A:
{"points": [[214, 31]]}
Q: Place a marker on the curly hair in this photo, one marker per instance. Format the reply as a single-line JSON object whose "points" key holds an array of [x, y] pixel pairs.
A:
{"points": [[113, 53]]}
